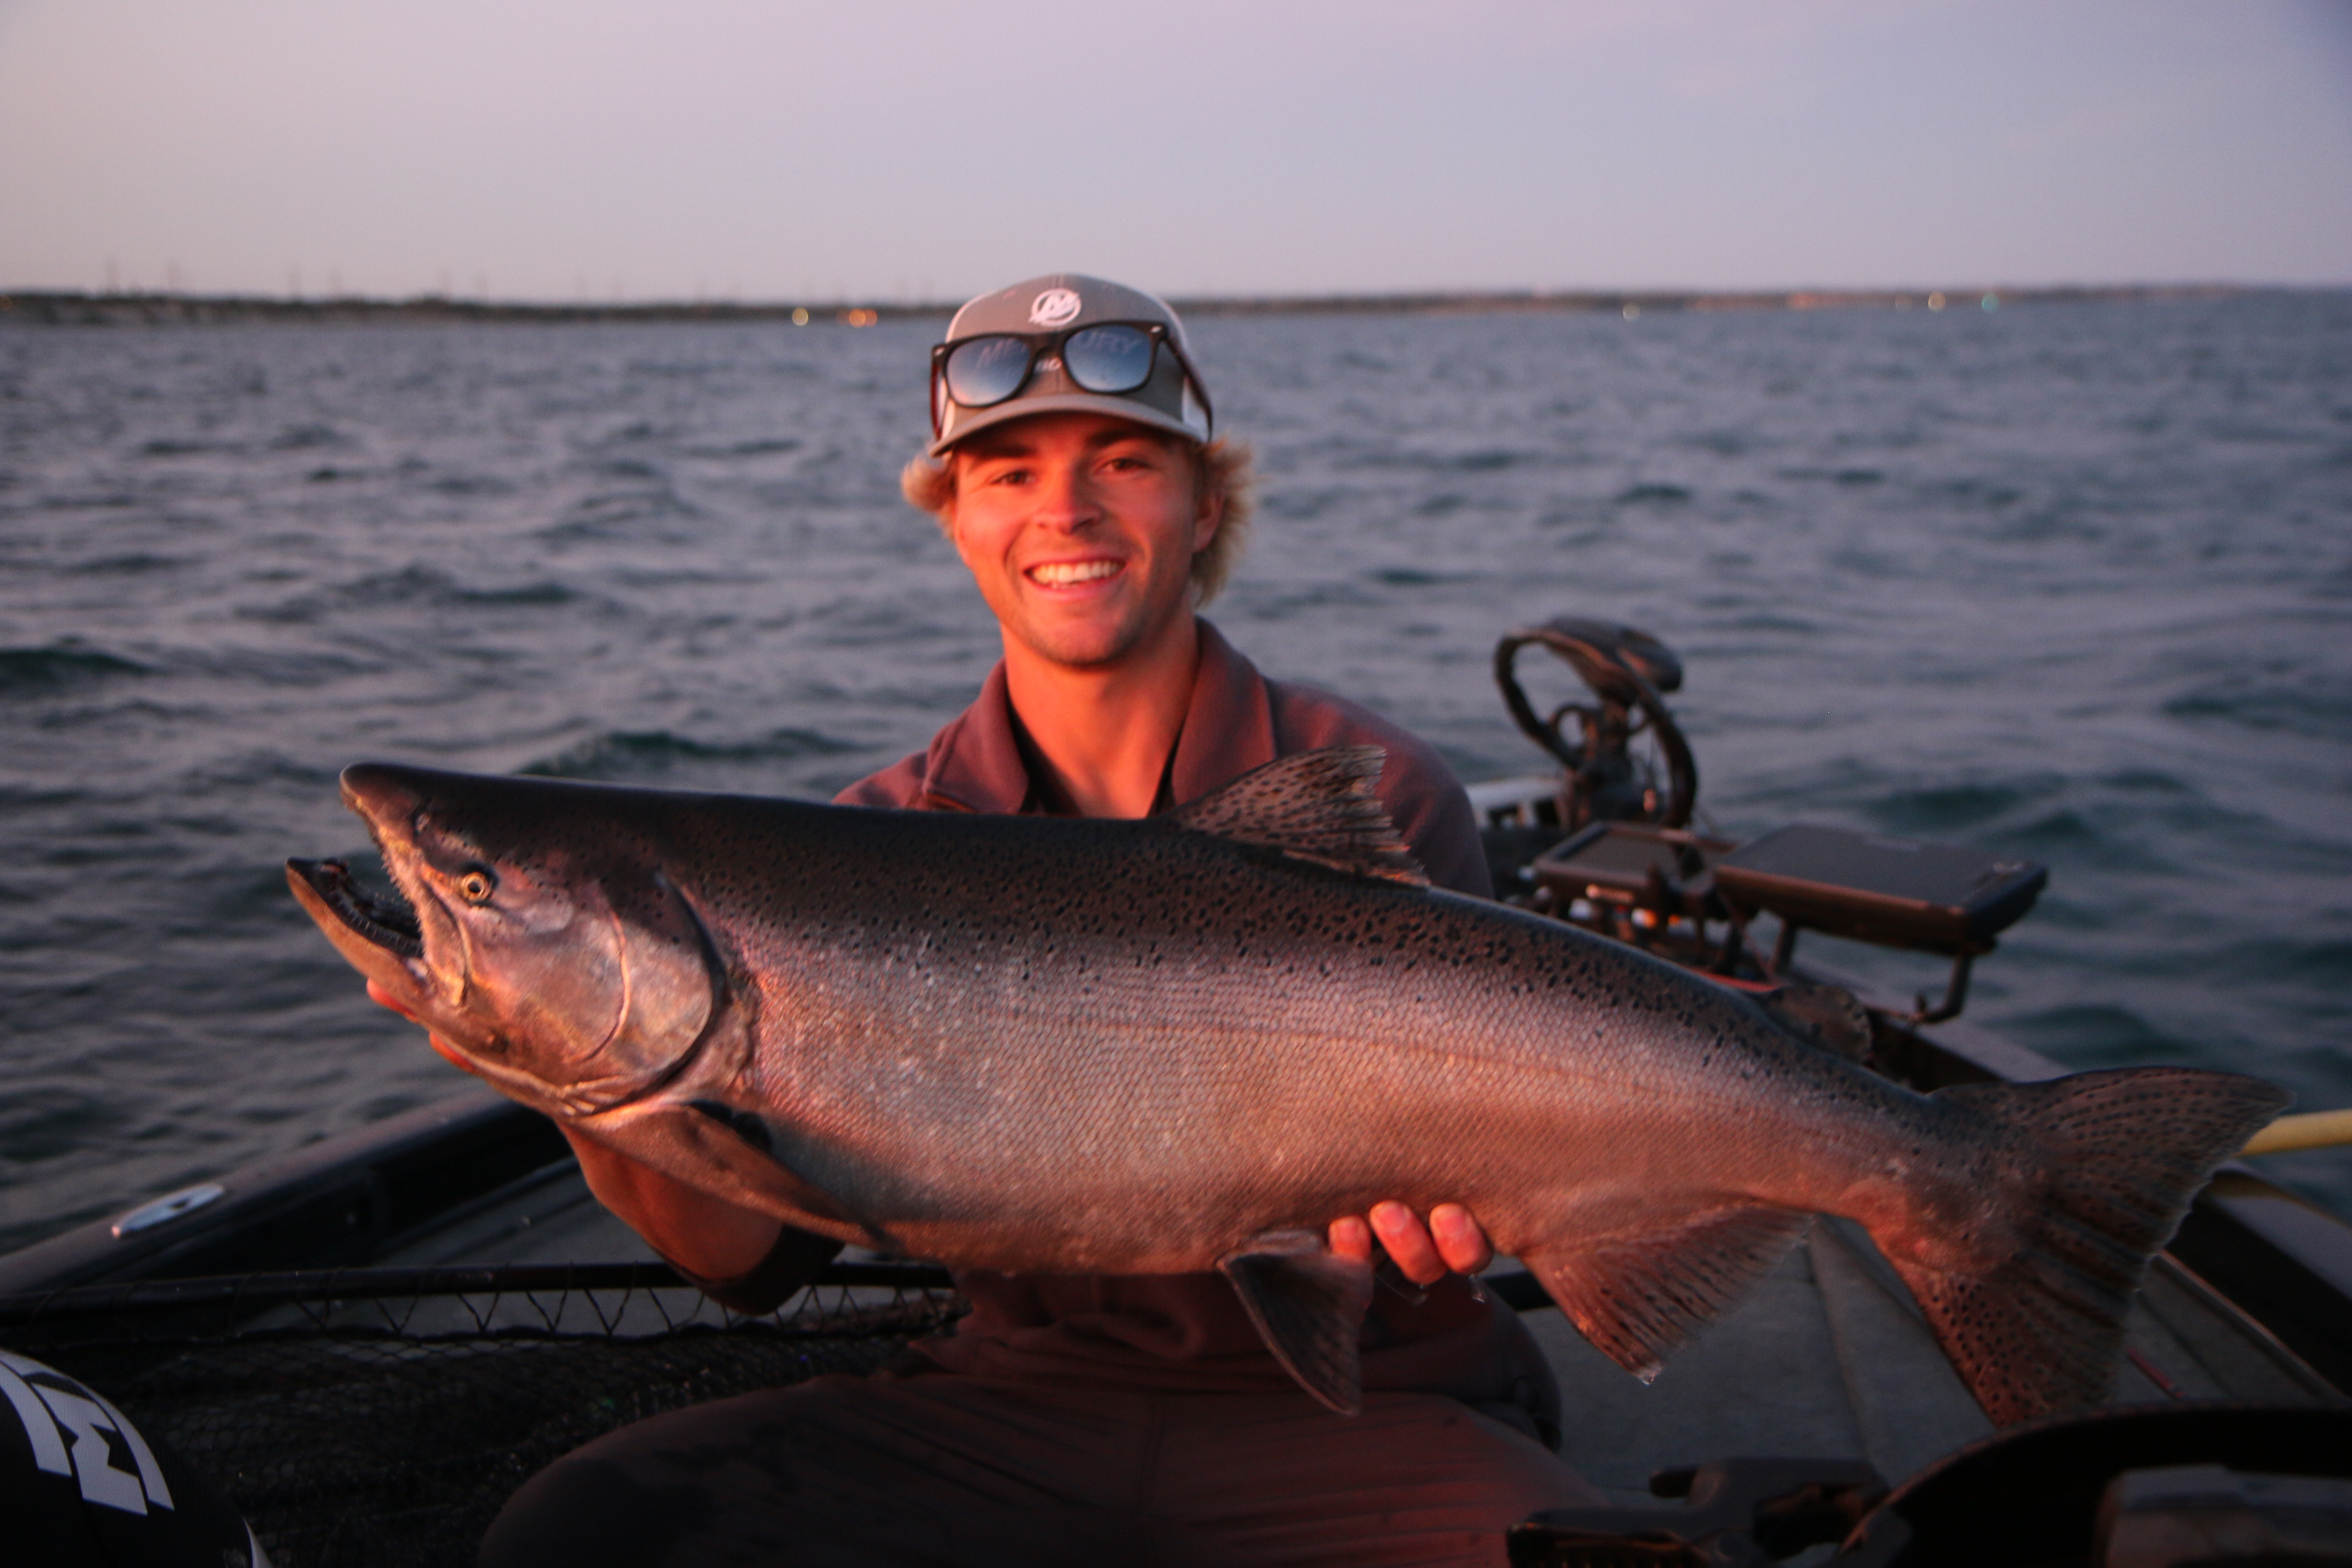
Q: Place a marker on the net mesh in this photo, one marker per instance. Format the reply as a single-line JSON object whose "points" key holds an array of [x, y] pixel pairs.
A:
{"points": [[388, 1431]]}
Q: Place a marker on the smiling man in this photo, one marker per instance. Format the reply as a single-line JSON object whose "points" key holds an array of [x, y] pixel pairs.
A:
{"points": [[1090, 1419]]}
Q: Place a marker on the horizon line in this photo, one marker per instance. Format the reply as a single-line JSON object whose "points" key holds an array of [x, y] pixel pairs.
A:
{"points": [[65, 306]]}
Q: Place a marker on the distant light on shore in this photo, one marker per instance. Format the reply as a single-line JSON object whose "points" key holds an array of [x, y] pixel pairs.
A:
{"points": [[1990, 303], [1935, 301]]}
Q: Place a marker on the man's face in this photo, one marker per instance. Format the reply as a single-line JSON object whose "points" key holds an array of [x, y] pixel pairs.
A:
{"points": [[1080, 530]]}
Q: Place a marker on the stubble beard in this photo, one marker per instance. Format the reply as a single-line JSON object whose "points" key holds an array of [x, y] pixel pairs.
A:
{"points": [[1088, 643], [1088, 646]]}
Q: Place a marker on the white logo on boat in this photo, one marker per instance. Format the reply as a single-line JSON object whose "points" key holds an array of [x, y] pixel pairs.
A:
{"points": [[56, 1411], [1053, 307]]}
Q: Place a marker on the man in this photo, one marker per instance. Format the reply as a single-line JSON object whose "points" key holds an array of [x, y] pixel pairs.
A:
{"points": [[1086, 1419]]}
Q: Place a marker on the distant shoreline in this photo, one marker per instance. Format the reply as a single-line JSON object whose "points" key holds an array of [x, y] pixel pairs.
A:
{"points": [[74, 308]]}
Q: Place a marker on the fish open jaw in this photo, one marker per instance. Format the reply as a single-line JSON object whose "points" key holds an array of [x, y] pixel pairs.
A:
{"points": [[389, 922]]}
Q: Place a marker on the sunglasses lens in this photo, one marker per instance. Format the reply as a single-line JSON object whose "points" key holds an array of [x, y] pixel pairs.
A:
{"points": [[984, 371], [1109, 359]]}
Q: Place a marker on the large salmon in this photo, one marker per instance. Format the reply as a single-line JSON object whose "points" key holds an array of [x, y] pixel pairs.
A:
{"points": [[1030, 1044]]}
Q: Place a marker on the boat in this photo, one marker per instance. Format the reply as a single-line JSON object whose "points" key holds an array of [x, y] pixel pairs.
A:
{"points": [[366, 1344]]}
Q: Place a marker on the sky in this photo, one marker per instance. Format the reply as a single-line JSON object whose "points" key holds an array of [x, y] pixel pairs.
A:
{"points": [[897, 150]]}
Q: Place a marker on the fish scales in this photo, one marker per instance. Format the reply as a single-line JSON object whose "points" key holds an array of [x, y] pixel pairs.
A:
{"points": [[1105, 1010], [1049, 1045]]}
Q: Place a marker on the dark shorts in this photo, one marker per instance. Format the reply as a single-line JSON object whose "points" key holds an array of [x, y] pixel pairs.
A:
{"points": [[962, 1470]]}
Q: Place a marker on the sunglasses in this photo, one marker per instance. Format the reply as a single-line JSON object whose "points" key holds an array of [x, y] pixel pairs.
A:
{"points": [[1110, 357]]}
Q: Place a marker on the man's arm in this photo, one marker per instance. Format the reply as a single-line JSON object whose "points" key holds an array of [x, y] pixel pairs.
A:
{"points": [[720, 1243], [704, 1235], [717, 1241], [723, 1244]]}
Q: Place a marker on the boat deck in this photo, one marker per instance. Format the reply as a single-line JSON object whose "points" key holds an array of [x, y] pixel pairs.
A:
{"points": [[1827, 1357]]}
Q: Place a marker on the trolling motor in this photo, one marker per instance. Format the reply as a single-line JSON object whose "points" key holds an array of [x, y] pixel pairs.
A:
{"points": [[1605, 778]]}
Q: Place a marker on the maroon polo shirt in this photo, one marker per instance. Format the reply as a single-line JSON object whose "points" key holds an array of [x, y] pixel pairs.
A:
{"points": [[1238, 720], [1187, 1333]]}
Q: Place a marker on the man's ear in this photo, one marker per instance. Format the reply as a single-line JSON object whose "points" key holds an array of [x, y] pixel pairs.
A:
{"points": [[955, 535], [946, 514], [1208, 515]]}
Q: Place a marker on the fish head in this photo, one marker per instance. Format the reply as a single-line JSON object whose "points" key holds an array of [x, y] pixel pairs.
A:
{"points": [[542, 935]]}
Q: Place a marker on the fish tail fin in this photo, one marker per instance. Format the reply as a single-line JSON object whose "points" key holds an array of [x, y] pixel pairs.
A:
{"points": [[2113, 1159]]}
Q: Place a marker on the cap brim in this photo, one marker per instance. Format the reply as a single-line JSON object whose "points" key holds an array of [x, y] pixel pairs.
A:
{"points": [[970, 422]]}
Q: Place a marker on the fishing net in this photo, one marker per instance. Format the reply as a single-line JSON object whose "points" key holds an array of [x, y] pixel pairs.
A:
{"points": [[380, 1419]]}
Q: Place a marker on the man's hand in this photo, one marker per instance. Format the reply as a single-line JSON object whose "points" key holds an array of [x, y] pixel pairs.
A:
{"points": [[1451, 1242]]}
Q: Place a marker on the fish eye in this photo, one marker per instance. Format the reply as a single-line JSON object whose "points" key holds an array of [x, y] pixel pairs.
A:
{"points": [[475, 884]]}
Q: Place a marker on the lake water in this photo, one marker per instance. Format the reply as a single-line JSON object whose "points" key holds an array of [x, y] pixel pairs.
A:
{"points": [[2073, 582]]}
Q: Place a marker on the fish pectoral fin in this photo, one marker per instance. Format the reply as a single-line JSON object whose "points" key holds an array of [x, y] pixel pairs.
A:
{"points": [[727, 1153], [1637, 1298], [1320, 806], [1308, 1304], [1828, 1017]]}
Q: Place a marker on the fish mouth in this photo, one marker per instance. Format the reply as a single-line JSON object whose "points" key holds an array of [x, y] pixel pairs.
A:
{"points": [[389, 923]]}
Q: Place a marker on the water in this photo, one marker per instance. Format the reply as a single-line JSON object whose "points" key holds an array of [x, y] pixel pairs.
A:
{"points": [[2073, 582]]}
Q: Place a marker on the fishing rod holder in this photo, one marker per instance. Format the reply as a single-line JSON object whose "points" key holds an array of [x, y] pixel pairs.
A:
{"points": [[1632, 881]]}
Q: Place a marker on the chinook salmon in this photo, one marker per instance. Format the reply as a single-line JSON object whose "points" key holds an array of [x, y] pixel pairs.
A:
{"points": [[1052, 1045]]}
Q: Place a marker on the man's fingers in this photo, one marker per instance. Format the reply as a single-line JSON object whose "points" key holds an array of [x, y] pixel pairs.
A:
{"points": [[1408, 1243], [1452, 1242], [1459, 1239]]}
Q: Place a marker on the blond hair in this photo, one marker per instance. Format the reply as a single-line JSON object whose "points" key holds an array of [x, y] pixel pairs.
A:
{"points": [[1220, 470]]}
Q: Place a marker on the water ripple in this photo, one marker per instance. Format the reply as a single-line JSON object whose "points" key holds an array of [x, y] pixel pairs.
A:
{"points": [[2069, 583]]}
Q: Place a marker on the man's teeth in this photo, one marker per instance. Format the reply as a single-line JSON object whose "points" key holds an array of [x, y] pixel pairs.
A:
{"points": [[1057, 573]]}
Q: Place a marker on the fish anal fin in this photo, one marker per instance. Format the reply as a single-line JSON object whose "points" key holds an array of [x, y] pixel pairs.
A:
{"points": [[1828, 1017], [1308, 1304], [1639, 1297], [1320, 806]]}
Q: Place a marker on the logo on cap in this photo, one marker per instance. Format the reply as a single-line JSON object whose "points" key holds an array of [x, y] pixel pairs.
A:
{"points": [[1054, 307]]}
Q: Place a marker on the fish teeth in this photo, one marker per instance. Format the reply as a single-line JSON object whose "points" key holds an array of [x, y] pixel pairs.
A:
{"points": [[1058, 573]]}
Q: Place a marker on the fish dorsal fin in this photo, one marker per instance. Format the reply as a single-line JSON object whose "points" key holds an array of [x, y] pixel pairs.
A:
{"points": [[1828, 1017], [1637, 1298], [1317, 806], [1308, 1304]]}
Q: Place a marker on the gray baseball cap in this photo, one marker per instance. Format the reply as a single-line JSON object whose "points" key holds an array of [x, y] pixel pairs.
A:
{"points": [[1173, 398]]}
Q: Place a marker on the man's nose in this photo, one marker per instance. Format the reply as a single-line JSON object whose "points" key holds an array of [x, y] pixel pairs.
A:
{"points": [[1065, 498]]}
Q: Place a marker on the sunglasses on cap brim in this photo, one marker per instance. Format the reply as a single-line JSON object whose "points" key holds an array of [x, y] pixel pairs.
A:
{"points": [[1111, 358]]}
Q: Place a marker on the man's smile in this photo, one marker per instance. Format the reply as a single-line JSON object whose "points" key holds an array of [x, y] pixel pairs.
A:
{"points": [[1066, 573]]}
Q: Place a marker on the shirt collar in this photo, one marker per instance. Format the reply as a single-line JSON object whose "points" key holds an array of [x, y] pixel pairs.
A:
{"points": [[1229, 727], [975, 764]]}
